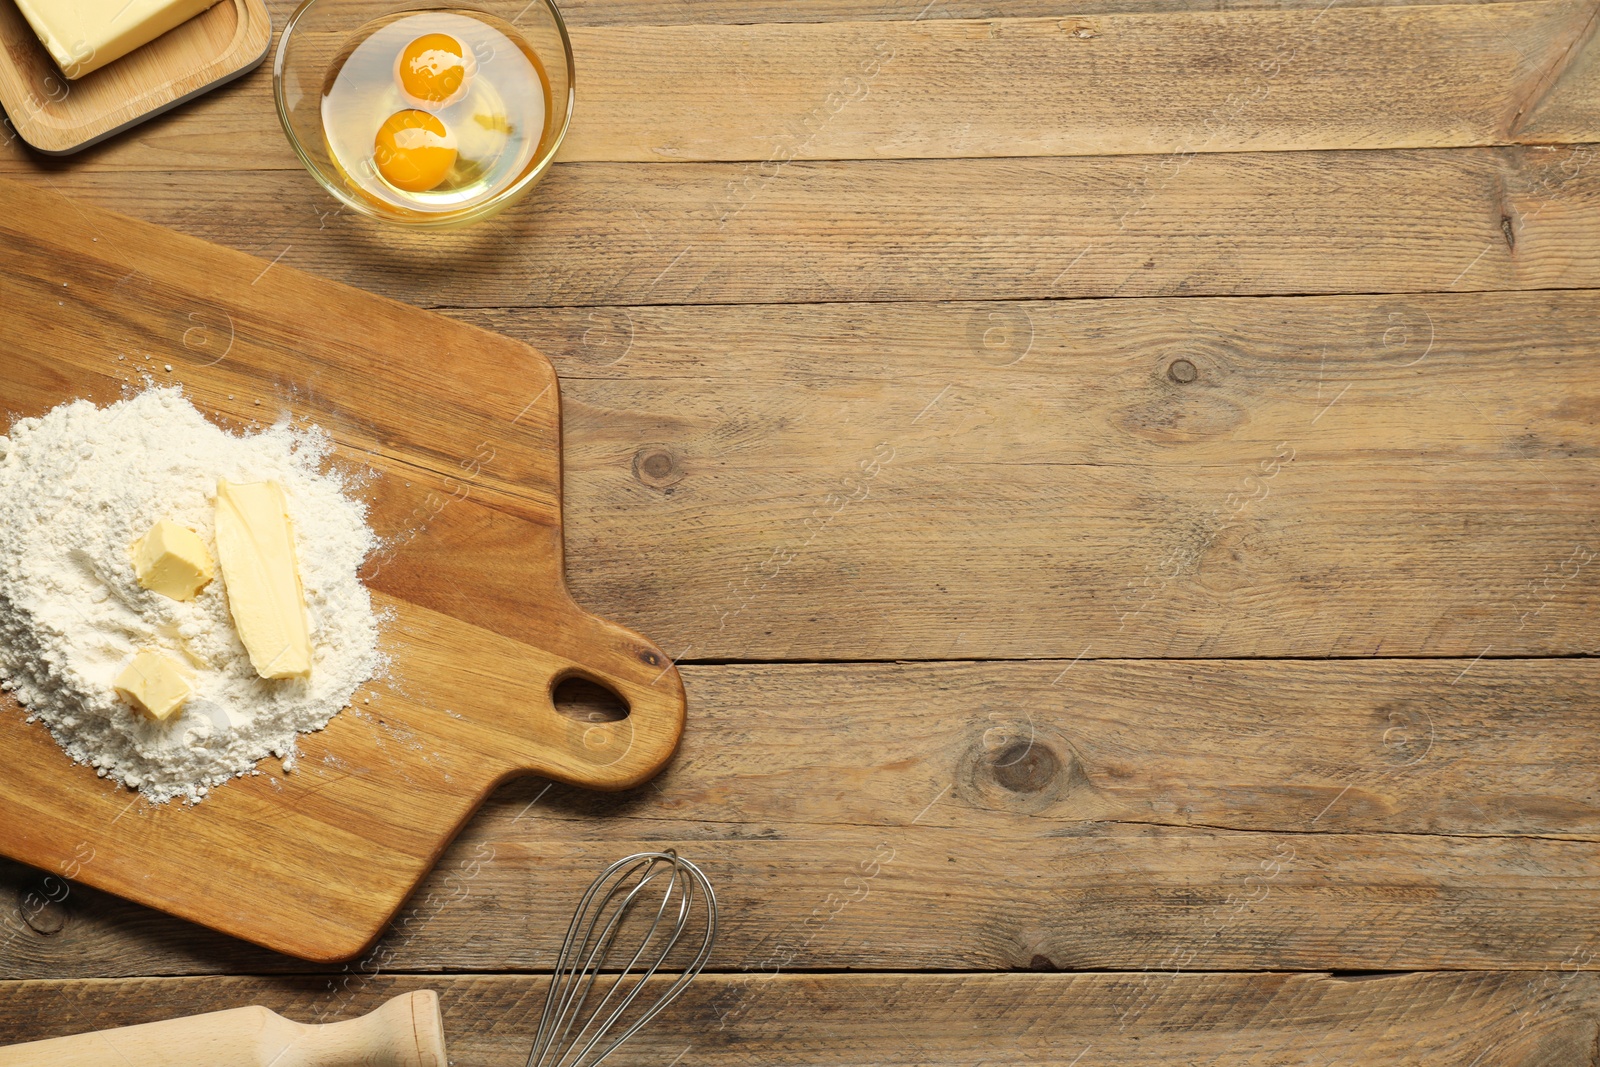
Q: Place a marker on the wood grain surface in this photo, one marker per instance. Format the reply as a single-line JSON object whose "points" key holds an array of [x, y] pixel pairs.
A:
{"points": [[697, 12], [1120, 482], [1321, 447], [1120, 815], [919, 230], [314, 863], [1100, 84]]}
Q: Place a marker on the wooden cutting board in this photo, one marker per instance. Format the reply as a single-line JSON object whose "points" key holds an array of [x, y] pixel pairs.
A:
{"points": [[462, 430]]}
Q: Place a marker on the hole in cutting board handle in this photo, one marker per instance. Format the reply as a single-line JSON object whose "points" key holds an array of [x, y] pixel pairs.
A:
{"points": [[587, 700]]}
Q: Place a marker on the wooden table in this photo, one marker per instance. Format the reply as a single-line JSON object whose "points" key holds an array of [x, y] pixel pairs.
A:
{"points": [[1123, 490]]}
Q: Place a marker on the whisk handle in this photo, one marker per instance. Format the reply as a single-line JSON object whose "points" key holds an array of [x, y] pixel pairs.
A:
{"points": [[406, 1031]]}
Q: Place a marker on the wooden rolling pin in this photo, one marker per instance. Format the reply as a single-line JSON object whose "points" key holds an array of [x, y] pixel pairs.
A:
{"points": [[406, 1031]]}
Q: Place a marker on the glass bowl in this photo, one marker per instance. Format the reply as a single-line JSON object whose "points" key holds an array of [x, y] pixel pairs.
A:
{"points": [[318, 37]]}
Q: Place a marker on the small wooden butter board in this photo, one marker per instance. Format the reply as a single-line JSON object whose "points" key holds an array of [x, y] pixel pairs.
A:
{"points": [[59, 116]]}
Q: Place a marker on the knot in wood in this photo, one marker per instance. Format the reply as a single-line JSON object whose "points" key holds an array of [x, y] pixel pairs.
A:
{"points": [[41, 911], [1026, 766], [657, 466]]}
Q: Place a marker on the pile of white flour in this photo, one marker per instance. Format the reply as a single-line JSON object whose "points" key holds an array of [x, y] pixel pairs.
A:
{"points": [[77, 488]]}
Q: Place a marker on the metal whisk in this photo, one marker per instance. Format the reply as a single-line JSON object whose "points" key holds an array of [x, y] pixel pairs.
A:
{"points": [[654, 900]]}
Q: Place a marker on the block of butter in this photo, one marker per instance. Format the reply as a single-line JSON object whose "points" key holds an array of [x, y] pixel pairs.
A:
{"points": [[153, 683], [85, 35], [172, 560], [255, 548]]}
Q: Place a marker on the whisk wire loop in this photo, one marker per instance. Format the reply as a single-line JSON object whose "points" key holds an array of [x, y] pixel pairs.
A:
{"points": [[591, 938]]}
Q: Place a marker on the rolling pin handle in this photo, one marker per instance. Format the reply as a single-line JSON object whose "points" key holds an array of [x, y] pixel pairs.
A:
{"points": [[405, 1031]]}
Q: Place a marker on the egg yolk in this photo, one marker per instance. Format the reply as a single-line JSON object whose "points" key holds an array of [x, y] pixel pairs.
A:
{"points": [[432, 69], [414, 151]]}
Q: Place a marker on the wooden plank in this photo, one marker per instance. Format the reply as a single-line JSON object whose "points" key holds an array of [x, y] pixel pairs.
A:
{"points": [[1104, 84], [1373, 747], [1091, 85], [994, 816], [793, 476], [1087, 1020], [697, 12], [1305, 222], [1571, 90]]}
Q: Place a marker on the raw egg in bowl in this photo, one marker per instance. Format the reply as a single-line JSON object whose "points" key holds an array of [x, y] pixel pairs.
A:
{"points": [[434, 71], [425, 116]]}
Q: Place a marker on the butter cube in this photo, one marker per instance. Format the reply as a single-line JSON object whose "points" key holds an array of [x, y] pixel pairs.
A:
{"points": [[172, 560], [152, 683], [255, 545], [85, 35]]}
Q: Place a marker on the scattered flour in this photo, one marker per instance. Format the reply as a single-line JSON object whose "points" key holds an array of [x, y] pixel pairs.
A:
{"points": [[77, 487]]}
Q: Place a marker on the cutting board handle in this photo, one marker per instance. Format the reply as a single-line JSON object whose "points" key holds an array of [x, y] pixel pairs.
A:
{"points": [[616, 754], [406, 1031]]}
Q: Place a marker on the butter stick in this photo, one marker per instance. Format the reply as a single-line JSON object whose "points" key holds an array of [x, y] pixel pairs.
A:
{"points": [[85, 35], [255, 549]]}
